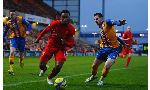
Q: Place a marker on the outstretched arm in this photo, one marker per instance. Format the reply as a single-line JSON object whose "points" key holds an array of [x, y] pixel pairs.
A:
{"points": [[26, 23], [42, 34], [118, 23]]}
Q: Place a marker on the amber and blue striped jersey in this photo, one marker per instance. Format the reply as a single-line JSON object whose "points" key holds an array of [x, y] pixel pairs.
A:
{"points": [[108, 33], [17, 27]]}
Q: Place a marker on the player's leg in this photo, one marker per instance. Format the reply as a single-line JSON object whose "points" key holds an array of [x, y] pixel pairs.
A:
{"points": [[43, 62], [123, 53], [95, 66], [112, 55], [129, 57], [45, 57], [21, 47], [55, 71], [11, 60], [100, 57], [21, 59], [60, 58], [13, 47], [105, 70]]}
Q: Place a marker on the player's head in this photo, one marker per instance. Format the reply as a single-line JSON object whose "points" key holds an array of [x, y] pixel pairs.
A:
{"points": [[65, 17], [12, 13], [128, 28], [98, 18], [57, 15]]}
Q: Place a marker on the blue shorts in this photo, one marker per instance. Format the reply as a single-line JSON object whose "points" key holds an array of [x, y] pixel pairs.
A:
{"points": [[18, 43], [107, 52]]}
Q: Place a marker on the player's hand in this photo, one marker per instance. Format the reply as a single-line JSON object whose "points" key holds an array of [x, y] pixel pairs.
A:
{"points": [[122, 22], [134, 42], [40, 41], [62, 41], [125, 39], [36, 41], [27, 32], [68, 49]]}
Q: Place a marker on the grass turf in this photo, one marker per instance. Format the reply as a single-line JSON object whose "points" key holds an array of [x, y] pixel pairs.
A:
{"points": [[75, 71]]}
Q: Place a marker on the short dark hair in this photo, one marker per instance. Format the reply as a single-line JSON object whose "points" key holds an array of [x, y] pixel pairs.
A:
{"points": [[99, 14], [58, 13], [65, 11], [12, 10]]}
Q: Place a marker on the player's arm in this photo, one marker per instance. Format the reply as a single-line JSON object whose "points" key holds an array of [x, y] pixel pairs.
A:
{"points": [[27, 23], [42, 33], [70, 40], [118, 23], [125, 37], [122, 42], [6, 28]]}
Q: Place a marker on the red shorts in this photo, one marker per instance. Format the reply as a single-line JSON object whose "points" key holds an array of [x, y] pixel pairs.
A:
{"points": [[48, 52], [126, 51]]}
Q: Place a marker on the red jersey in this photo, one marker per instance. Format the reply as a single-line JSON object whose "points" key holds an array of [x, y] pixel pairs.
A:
{"points": [[61, 36], [128, 34]]}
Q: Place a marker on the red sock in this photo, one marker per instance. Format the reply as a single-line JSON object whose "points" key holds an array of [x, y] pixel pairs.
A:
{"points": [[128, 61]]}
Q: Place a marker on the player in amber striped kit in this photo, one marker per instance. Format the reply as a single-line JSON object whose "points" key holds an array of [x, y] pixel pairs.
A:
{"points": [[111, 47]]}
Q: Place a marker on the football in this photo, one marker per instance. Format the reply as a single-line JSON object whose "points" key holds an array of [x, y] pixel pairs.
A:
{"points": [[60, 84]]}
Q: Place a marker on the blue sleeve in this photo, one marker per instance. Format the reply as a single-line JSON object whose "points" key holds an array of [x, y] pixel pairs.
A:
{"points": [[5, 30], [112, 22], [121, 41], [26, 23]]}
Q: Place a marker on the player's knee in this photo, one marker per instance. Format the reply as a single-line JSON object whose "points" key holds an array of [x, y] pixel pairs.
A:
{"points": [[11, 53], [109, 63], [42, 65], [58, 68], [11, 57], [94, 67], [21, 55], [129, 55], [123, 56]]}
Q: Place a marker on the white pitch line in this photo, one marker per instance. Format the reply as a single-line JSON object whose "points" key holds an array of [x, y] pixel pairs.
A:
{"points": [[16, 84]]}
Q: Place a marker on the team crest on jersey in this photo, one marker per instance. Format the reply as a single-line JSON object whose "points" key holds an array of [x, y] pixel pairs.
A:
{"points": [[103, 25]]}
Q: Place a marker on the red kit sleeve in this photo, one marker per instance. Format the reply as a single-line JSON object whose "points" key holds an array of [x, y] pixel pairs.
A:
{"points": [[47, 29], [70, 40]]}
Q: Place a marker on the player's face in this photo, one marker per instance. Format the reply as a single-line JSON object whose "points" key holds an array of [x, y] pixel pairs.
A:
{"points": [[97, 20], [65, 18], [129, 29], [13, 15]]}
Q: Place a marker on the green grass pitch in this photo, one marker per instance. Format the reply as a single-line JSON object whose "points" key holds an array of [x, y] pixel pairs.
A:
{"points": [[75, 71]]}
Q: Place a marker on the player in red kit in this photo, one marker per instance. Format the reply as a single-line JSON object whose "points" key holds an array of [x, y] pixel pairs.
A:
{"points": [[59, 41], [127, 37]]}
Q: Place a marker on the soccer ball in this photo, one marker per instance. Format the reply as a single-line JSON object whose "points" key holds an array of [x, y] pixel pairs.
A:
{"points": [[60, 84]]}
